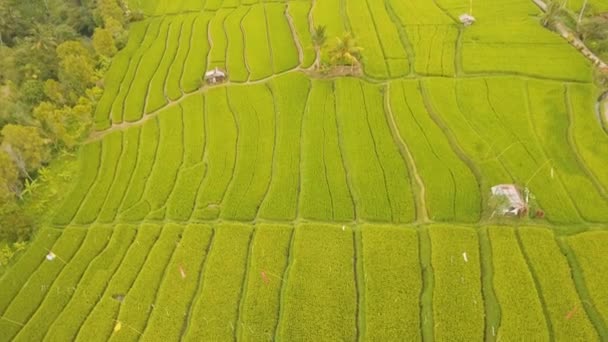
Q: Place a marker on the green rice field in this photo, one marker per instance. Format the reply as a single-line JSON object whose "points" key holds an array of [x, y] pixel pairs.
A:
{"points": [[284, 206]]}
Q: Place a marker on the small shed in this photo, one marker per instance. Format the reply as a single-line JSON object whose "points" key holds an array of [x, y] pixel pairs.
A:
{"points": [[215, 76], [466, 19], [515, 204]]}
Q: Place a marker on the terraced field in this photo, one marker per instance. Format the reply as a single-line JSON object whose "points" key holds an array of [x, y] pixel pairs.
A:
{"points": [[283, 206]]}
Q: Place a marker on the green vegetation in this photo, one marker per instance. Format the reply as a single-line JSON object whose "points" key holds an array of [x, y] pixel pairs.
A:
{"points": [[335, 183], [392, 283], [457, 301]]}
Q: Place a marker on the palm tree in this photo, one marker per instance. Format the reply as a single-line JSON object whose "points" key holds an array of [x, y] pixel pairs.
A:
{"points": [[552, 14], [346, 51], [318, 40]]}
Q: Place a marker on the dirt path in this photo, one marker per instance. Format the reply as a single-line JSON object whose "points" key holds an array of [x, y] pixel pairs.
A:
{"points": [[421, 211], [569, 36], [294, 34]]}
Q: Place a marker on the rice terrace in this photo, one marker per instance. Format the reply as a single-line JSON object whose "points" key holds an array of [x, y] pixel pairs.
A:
{"points": [[332, 170]]}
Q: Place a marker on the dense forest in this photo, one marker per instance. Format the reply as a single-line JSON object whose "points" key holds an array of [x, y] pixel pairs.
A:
{"points": [[53, 54]]}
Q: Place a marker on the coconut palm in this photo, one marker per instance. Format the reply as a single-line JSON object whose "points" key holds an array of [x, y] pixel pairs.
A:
{"points": [[346, 51], [552, 14], [319, 38]]}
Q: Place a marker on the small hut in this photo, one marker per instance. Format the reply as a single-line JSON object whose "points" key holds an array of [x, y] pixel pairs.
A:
{"points": [[215, 76], [515, 204], [467, 19]]}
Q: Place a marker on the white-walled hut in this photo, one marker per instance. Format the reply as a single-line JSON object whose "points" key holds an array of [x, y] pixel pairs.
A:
{"points": [[216, 76], [515, 204], [467, 19]]}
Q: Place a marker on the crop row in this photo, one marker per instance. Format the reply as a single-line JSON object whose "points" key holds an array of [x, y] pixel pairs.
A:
{"points": [[32, 293], [220, 154], [15, 278], [290, 94], [590, 252], [392, 284], [91, 286], [138, 302], [550, 119], [117, 72], [100, 322], [556, 287], [521, 152], [181, 279], [445, 176], [260, 302], [65, 285], [322, 268], [324, 190], [590, 140], [215, 309], [369, 180], [312, 281], [458, 311], [521, 308], [255, 151]]}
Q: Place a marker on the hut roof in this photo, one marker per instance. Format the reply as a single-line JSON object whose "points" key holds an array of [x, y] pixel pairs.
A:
{"points": [[511, 193], [466, 18], [215, 73]]}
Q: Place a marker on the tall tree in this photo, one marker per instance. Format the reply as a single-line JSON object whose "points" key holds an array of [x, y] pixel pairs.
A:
{"points": [[346, 51], [319, 38], [9, 178], [26, 146]]}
